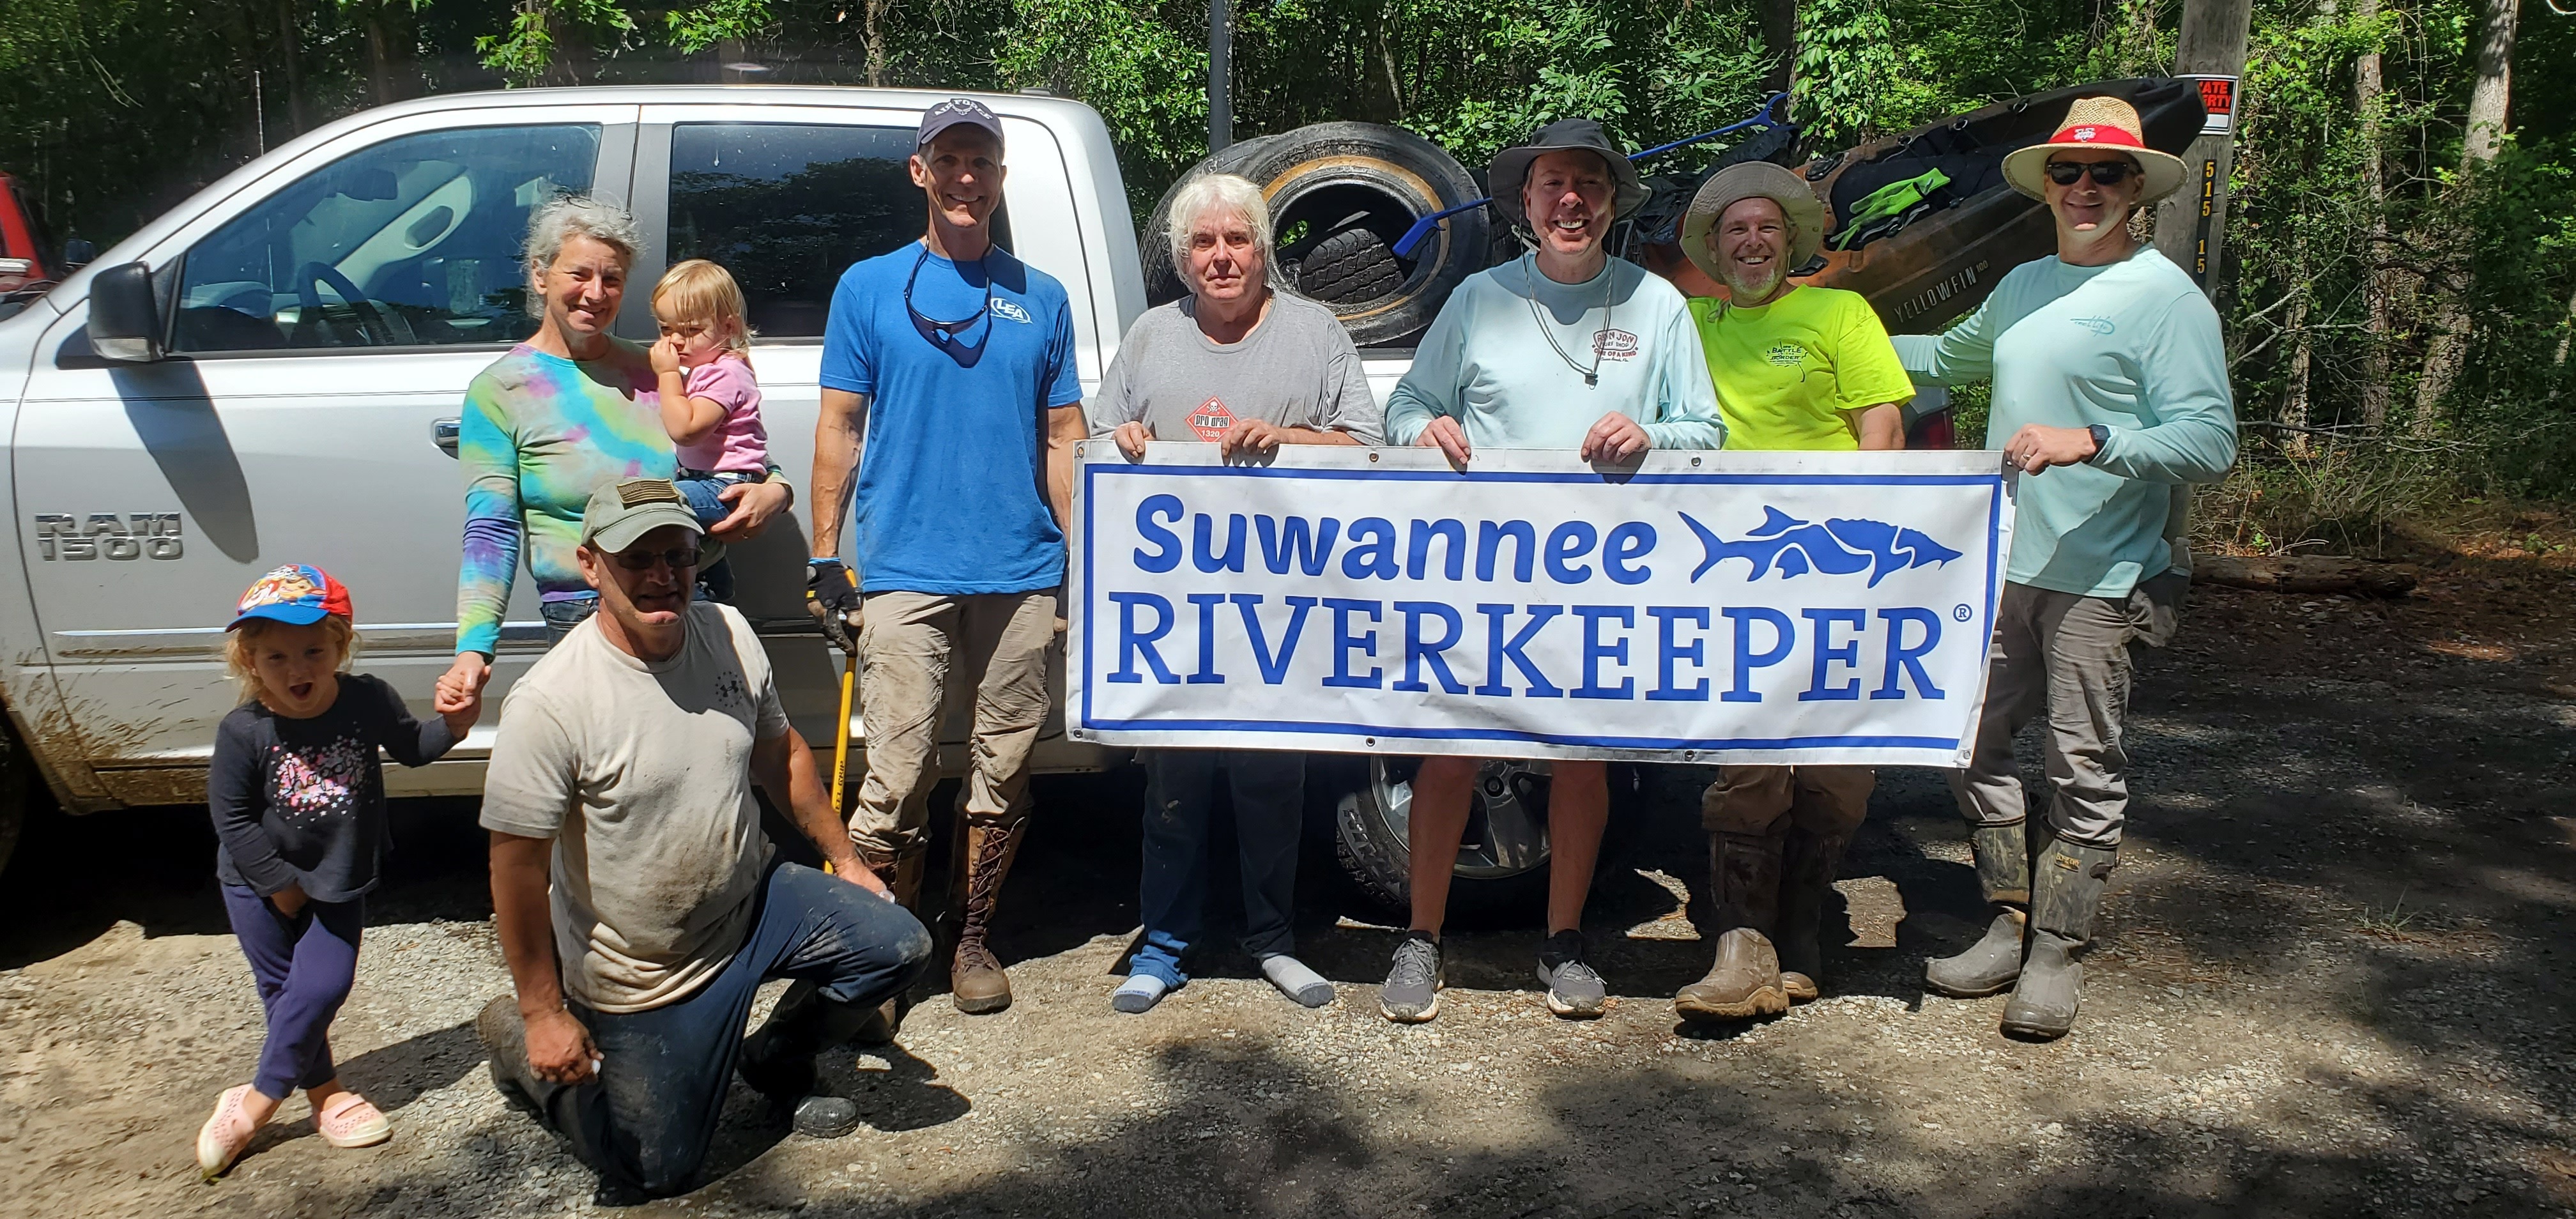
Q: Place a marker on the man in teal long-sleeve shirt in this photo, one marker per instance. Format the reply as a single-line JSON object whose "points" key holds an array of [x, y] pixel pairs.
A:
{"points": [[2110, 394]]}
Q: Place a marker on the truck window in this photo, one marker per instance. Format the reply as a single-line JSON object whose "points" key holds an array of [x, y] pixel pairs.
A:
{"points": [[787, 207], [413, 242]]}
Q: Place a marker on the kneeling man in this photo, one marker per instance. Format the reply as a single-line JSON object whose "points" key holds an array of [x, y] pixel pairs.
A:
{"points": [[1795, 368], [634, 895]]}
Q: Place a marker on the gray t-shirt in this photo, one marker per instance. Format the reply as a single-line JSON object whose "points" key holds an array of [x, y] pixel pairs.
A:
{"points": [[1296, 369], [641, 773]]}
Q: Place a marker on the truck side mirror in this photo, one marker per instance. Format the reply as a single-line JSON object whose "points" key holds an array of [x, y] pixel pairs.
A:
{"points": [[124, 320]]}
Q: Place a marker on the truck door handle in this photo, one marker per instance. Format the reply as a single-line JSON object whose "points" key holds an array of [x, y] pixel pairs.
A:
{"points": [[442, 432]]}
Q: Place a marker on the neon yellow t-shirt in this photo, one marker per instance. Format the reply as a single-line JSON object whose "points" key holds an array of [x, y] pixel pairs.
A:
{"points": [[1785, 372]]}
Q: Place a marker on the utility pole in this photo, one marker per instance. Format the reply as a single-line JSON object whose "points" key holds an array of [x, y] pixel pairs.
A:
{"points": [[2191, 224], [1220, 75]]}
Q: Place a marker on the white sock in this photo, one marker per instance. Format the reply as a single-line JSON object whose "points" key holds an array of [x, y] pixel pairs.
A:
{"points": [[1290, 975], [1139, 993]]}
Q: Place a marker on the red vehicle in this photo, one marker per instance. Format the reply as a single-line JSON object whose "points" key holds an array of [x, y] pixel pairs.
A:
{"points": [[27, 258]]}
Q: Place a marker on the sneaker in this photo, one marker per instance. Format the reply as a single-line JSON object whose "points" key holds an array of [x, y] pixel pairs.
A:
{"points": [[1412, 991], [1573, 990]]}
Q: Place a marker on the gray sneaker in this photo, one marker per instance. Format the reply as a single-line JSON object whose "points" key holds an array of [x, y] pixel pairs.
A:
{"points": [[1412, 991], [1572, 988]]}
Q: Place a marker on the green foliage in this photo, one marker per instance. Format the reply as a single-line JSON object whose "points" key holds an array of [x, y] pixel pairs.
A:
{"points": [[2331, 292]]}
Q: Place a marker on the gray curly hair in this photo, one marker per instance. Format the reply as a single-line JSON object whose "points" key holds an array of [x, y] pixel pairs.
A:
{"points": [[1221, 194], [565, 217]]}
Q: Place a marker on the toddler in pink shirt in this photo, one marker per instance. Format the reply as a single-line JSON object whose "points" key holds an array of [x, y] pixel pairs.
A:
{"points": [[710, 400]]}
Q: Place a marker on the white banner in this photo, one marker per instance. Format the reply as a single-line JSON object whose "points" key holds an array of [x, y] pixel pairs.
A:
{"points": [[1707, 607]]}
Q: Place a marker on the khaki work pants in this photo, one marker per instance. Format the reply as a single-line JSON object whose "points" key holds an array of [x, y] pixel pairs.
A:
{"points": [[910, 647], [2070, 656], [1827, 801]]}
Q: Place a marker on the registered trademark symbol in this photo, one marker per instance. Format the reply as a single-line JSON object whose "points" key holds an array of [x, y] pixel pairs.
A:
{"points": [[1962, 612]]}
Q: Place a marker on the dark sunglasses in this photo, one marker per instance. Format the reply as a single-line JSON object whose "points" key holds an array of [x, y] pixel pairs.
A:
{"points": [[945, 335], [2106, 173], [643, 560]]}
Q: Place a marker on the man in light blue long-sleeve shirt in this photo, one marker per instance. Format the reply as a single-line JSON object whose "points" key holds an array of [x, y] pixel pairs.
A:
{"points": [[1566, 348], [2110, 395]]}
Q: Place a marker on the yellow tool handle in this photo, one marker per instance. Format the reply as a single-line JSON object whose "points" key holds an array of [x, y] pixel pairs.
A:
{"points": [[841, 734]]}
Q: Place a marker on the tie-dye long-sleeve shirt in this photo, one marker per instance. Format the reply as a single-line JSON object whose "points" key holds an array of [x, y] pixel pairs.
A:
{"points": [[539, 433]]}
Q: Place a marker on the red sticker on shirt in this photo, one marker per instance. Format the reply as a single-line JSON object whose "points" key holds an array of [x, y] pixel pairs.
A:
{"points": [[1211, 419]]}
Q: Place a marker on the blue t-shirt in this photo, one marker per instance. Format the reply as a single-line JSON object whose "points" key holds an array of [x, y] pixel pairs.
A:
{"points": [[950, 496]]}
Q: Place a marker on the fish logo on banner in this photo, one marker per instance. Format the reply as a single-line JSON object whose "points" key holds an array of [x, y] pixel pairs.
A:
{"points": [[1838, 547]]}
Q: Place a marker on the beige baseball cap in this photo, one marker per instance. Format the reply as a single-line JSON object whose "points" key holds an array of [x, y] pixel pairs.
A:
{"points": [[625, 510]]}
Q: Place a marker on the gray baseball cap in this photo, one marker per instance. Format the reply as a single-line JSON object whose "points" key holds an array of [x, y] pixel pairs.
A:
{"points": [[625, 510], [957, 111]]}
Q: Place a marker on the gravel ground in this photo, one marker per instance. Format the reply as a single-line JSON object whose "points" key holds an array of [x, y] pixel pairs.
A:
{"points": [[2333, 978]]}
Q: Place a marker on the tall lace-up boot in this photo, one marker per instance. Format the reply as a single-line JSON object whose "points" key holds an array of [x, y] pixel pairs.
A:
{"points": [[1992, 963], [985, 848], [900, 872], [1744, 869], [2067, 881]]}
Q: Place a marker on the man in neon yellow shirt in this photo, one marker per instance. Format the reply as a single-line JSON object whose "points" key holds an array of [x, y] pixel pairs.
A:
{"points": [[1795, 368]]}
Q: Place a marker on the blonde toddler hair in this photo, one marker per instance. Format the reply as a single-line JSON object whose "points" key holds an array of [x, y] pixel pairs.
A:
{"points": [[700, 291], [242, 643]]}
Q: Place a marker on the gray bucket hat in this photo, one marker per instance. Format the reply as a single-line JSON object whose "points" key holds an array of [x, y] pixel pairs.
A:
{"points": [[1753, 180], [1503, 180]]}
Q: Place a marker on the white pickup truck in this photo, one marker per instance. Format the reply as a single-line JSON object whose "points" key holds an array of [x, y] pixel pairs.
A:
{"points": [[271, 373]]}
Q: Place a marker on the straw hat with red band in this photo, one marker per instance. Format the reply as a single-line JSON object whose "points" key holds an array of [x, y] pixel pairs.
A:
{"points": [[2096, 122]]}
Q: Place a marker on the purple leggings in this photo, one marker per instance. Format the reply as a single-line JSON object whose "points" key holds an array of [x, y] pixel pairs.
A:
{"points": [[304, 966]]}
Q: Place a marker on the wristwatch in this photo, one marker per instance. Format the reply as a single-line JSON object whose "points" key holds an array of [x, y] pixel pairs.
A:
{"points": [[2101, 440]]}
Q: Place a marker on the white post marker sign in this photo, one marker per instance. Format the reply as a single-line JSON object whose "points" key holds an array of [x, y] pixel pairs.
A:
{"points": [[1709, 606]]}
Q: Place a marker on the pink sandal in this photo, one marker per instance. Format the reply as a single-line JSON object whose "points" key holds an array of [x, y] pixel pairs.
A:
{"points": [[225, 1135], [349, 1121]]}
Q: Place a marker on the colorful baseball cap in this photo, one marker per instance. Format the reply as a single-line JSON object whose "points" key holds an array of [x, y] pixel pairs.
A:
{"points": [[297, 594]]}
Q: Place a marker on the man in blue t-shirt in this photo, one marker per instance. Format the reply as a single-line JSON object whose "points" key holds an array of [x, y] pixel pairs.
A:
{"points": [[955, 361]]}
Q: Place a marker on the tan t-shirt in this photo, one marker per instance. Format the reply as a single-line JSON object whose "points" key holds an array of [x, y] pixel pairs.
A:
{"points": [[641, 773]]}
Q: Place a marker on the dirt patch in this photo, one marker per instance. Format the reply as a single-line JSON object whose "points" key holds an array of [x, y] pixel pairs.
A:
{"points": [[2334, 978]]}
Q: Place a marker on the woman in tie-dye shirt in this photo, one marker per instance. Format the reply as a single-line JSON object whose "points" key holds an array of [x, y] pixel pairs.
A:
{"points": [[571, 408]]}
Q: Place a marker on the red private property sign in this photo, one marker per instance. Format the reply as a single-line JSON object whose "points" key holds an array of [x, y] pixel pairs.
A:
{"points": [[2218, 98]]}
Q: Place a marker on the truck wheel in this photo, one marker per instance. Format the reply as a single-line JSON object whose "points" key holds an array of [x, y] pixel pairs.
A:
{"points": [[1502, 859], [1328, 183]]}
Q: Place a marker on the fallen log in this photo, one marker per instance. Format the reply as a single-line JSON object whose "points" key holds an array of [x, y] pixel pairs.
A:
{"points": [[2303, 574]]}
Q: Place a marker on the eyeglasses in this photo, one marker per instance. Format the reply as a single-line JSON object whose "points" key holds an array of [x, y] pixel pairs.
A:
{"points": [[2106, 173], [643, 560]]}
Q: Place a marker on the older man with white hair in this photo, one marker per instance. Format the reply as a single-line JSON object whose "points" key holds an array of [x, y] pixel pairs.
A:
{"points": [[1248, 368]]}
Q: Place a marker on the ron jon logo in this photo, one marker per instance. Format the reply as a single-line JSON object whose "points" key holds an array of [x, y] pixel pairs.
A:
{"points": [[106, 535], [1614, 345]]}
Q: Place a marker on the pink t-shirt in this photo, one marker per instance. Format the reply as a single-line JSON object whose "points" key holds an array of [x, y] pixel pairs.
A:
{"points": [[738, 443]]}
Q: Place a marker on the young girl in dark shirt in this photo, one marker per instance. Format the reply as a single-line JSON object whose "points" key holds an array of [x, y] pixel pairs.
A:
{"points": [[298, 802]]}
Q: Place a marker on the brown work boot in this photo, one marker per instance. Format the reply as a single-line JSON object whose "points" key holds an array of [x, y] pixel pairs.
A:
{"points": [[1744, 870], [1809, 863], [976, 983], [900, 872]]}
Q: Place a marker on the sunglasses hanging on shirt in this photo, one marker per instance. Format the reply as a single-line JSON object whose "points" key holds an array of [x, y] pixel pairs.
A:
{"points": [[944, 335]]}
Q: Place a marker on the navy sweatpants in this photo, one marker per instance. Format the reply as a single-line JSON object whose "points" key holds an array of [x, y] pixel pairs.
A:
{"points": [[304, 966]]}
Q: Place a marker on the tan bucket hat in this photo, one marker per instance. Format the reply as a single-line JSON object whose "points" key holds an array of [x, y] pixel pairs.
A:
{"points": [[1753, 180], [2096, 122]]}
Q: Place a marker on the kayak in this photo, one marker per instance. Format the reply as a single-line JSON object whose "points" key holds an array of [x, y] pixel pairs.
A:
{"points": [[1934, 260]]}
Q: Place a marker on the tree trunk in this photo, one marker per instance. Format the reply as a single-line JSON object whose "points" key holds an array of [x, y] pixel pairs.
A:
{"points": [[2489, 99], [290, 48], [1780, 39], [2376, 286], [874, 24], [2294, 406]]}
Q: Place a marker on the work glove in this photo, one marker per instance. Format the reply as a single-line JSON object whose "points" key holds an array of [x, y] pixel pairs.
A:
{"points": [[833, 598]]}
